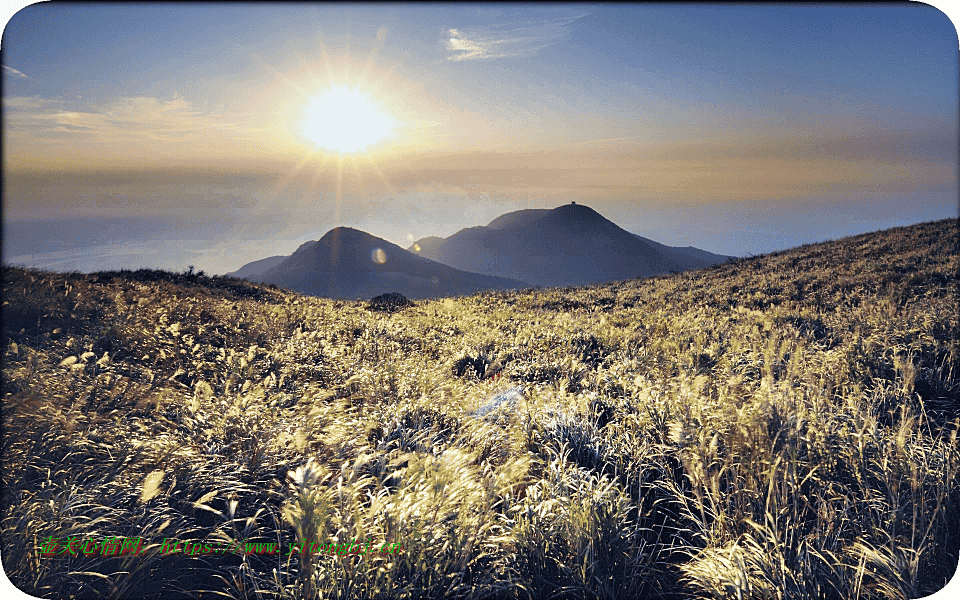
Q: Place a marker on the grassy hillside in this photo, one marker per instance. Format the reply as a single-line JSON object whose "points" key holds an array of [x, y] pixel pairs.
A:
{"points": [[782, 426]]}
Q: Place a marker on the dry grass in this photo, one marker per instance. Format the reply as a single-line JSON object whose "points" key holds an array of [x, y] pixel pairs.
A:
{"points": [[777, 427]]}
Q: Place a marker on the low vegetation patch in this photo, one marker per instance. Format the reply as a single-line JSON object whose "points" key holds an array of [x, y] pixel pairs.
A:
{"points": [[782, 426]]}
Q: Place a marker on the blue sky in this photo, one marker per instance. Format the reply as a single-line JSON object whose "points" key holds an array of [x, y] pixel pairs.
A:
{"points": [[165, 135]]}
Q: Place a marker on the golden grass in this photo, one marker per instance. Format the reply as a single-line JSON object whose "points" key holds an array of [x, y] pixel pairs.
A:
{"points": [[782, 426]]}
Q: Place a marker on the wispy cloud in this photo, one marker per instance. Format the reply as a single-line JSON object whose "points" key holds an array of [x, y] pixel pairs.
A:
{"points": [[122, 118], [138, 125], [508, 40], [606, 140], [11, 71]]}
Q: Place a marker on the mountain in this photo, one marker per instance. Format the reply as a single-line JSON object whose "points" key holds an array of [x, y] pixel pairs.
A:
{"points": [[565, 246], [694, 257], [251, 270], [348, 263], [427, 243], [518, 218], [258, 266]]}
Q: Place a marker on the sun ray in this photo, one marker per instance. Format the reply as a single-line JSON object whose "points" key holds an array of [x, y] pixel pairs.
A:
{"points": [[325, 59], [339, 188], [317, 173], [374, 52], [373, 165], [342, 115], [285, 181], [283, 78]]}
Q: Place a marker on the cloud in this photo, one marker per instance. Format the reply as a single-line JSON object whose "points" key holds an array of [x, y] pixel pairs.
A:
{"points": [[130, 117], [27, 103], [15, 73], [607, 140], [53, 129], [509, 40]]}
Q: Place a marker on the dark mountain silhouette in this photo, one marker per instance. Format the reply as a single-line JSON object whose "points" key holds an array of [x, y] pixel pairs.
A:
{"points": [[568, 245], [518, 218], [348, 263], [427, 242], [251, 270], [694, 257], [258, 266]]}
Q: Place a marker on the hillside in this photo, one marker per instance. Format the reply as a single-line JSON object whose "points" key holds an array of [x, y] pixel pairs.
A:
{"points": [[348, 263], [778, 426], [568, 245], [252, 269]]}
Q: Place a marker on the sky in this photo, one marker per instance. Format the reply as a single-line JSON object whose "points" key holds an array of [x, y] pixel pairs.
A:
{"points": [[167, 135]]}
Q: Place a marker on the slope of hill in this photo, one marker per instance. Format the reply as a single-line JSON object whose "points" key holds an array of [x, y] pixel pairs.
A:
{"points": [[778, 426], [518, 218], [568, 245], [257, 267], [252, 269], [688, 256], [348, 263]]}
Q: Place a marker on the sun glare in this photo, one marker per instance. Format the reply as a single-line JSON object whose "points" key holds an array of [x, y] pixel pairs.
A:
{"points": [[346, 120]]}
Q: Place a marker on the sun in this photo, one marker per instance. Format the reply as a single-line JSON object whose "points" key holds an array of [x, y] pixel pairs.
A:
{"points": [[346, 120]]}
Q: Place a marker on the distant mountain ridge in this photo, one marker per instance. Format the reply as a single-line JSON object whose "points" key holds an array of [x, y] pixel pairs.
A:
{"points": [[258, 266], [565, 246], [349, 263]]}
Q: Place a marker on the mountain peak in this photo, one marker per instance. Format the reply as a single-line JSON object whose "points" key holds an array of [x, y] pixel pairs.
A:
{"points": [[345, 232], [571, 244], [577, 211], [517, 218], [305, 246], [350, 263]]}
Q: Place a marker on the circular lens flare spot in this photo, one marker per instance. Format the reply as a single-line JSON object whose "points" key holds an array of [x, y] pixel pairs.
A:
{"points": [[378, 256]]}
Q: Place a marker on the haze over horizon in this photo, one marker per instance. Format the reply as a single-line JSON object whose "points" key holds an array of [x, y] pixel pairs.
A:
{"points": [[165, 135]]}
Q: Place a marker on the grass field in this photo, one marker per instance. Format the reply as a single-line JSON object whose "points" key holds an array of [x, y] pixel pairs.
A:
{"points": [[782, 426]]}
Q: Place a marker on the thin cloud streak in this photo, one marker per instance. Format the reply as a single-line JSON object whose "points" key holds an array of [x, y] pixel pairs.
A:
{"points": [[126, 126], [506, 41], [12, 71], [122, 118], [616, 139]]}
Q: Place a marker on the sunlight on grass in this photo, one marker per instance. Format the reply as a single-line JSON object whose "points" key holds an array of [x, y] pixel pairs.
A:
{"points": [[782, 426]]}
